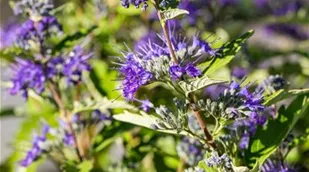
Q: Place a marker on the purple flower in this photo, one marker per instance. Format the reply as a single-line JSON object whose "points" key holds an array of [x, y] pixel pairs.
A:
{"points": [[48, 25], [203, 46], [136, 3], [98, 115], [8, 35], [54, 67], [75, 65], [135, 76], [239, 72], [68, 139], [272, 166], [36, 149], [33, 8], [176, 72], [190, 150], [146, 105], [27, 75], [223, 161], [192, 71], [244, 141]]}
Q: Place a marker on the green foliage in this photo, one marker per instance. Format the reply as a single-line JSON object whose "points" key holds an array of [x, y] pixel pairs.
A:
{"points": [[226, 53], [173, 14], [266, 140], [195, 84], [284, 94], [69, 40]]}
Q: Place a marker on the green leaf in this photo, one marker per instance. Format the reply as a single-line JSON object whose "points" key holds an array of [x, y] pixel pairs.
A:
{"points": [[104, 104], [266, 140], [143, 120], [283, 94], [205, 167], [67, 41], [85, 166], [227, 53], [173, 13], [197, 84]]}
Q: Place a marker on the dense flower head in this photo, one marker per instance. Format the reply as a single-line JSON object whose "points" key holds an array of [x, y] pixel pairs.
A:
{"points": [[27, 75], [75, 64], [33, 7], [190, 150], [134, 76], [37, 148], [223, 161], [247, 109], [152, 61]]}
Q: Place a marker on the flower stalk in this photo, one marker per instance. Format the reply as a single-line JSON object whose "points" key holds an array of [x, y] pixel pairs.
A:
{"points": [[198, 115]]}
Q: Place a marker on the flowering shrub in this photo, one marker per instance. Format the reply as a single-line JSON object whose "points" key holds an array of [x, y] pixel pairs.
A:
{"points": [[159, 85]]}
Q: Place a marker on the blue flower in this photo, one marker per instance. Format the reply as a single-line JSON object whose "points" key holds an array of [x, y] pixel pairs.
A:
{"points": [[190, 150], [76, 64], [239, 72], [36, 149], [176, 72], [192, 71], [54, 67], [135, 76], [27, 75]]}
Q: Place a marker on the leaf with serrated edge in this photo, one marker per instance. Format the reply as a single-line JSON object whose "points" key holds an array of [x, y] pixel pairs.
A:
{"points": [[266, 140], [283, 94], [198, 83], [173, 13], [144, 120], [227, 53]]}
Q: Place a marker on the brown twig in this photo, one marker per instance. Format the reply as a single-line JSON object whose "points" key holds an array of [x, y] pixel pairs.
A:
{"points": [[201, 121], [61, 106], [166, 33]]}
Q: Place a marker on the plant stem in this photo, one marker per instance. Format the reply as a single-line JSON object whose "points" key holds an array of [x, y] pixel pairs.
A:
{"points": [[202, 124], [60, 104], [201, 121], [166, 34]]}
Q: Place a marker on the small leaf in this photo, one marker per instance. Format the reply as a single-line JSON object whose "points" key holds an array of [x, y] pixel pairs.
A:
{"points": [[227, 53], [266, 140], [144, 120], [85, 166], [283, 94], [198, 83], [205, 167], [103, 104], [173, 13]]}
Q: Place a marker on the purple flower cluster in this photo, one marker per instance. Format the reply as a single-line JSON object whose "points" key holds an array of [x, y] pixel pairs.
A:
{"points": [[33, 7], [247, 109], [8, 35], [37, 31], [272, 166], [223, 161], [27, 75], [76, 64], [190, 150], [177, 71], [134, 76], [136, 3], [36, 149], [151, 62]]}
